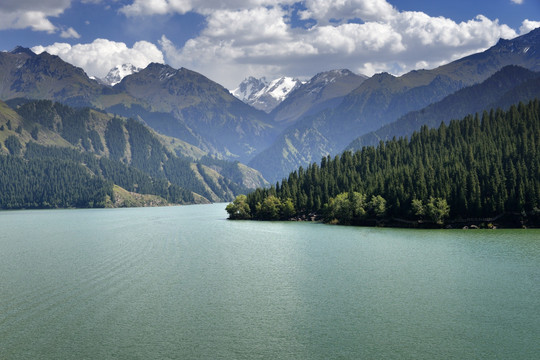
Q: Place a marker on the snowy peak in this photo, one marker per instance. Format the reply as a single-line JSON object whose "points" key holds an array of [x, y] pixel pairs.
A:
{"points": [[265, 95], [119, 72], [249, 87], [280, 88]]}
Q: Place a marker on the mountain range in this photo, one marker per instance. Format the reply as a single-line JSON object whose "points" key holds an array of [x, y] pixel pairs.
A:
{"points": [[384, 98], [299, 122]]}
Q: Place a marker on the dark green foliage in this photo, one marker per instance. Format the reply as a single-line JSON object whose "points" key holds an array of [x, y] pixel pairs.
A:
{"points": [[49, 183], [97, 144], [13, 144], [39, 111], [115, 139], [72, 124], [35, 132], [127, 177], [479, 167], [145, 167], [147, 153]]}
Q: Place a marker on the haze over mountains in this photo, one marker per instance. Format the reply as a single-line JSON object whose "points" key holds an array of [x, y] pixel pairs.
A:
{"points": [[282, 124]]}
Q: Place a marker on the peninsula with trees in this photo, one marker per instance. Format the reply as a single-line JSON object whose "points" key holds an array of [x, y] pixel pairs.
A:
{"points": [[483, 169]]}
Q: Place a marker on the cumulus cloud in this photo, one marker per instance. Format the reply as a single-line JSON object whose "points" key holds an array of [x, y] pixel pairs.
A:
{"points": [[21, 14], [528, 25], [98, 57], [261, 41], [34, 20], [519, 2], [367, 10]]}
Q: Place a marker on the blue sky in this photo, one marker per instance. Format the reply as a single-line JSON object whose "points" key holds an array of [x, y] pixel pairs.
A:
{"points": [[271, 38]]}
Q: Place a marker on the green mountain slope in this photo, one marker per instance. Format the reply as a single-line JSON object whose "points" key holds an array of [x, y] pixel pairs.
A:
{"points": [[24, 74], [510, 82], [124, 152]]}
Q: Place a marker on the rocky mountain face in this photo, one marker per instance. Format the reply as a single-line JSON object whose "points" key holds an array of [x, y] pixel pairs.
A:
{"points": [[187, 105], [27, 75], [264, 95], [384, 98], [249, 87]]}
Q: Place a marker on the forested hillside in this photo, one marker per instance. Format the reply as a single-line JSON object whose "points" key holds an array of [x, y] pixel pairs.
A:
{"points": [[483, 166], [45, 142]]}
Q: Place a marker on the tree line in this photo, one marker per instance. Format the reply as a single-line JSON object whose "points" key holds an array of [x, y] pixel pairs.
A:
{"points": [[479, 167]]}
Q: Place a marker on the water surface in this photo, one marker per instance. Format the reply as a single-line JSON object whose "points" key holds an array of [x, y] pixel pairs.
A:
{"points": [[184, 283]]}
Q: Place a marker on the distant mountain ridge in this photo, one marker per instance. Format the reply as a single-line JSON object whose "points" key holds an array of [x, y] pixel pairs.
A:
{"points": [[189, 106], [512, 82]]}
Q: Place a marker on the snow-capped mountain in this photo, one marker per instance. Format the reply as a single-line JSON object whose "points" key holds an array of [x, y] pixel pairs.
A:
{"points": [[117, 73], [264, 95], [249, 87]]}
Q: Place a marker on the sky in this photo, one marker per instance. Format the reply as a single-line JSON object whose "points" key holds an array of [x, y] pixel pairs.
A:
{"points": [[228, 41]]}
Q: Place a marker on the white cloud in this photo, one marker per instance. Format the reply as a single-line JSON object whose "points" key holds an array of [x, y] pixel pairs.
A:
{"points": [[161, 7], [21, 14], [528, 25], [260, 41], [248, 26], [69, 33], [34, 20], [98, 57], [519, 2], [367, 10]]}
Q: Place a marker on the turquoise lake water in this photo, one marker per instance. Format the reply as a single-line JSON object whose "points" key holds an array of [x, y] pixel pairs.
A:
{"points": [[185, 283]]}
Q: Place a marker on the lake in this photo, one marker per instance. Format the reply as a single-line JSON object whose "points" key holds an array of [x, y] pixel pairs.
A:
{"points": [[185, 283]]}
